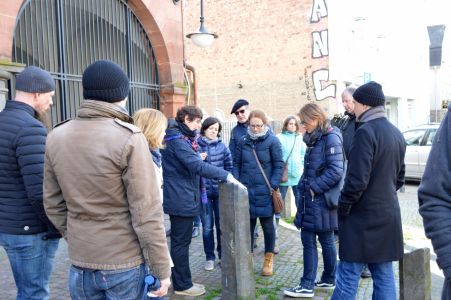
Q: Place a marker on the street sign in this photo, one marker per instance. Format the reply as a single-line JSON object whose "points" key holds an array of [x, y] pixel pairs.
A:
{"points": [[366, 77]]}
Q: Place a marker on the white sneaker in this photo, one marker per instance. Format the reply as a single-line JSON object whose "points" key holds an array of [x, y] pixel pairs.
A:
{"points": [[194, 291], [209, 265]]}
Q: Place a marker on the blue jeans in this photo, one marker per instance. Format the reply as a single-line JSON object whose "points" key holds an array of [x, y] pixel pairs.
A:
{"points": [[348, 277], [210, 219], [326, 240], [196, 222], [120, 284], [31, 260]]}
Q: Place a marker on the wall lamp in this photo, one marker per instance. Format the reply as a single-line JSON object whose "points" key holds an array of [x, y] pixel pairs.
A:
{"points": [[202, 38]]}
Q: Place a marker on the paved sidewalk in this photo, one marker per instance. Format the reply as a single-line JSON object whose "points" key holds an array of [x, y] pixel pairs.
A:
{"points": [[287, 268]]}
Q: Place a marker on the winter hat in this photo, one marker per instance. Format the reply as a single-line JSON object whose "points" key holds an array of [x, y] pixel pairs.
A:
{"points": [[105, 81], [238, 104], [35, 80], [370, 94]]}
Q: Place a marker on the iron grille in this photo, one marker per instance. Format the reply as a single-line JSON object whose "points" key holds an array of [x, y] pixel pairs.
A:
{"points": [[65, 36]]}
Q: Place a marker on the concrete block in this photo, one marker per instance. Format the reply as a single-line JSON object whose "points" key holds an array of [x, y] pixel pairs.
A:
{"points": [[238, 281], [415, 275]]}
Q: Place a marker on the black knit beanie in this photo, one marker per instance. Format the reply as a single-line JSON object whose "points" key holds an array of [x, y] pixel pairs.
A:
{"points": [[370, 94], [105, 81], [35, 80]]}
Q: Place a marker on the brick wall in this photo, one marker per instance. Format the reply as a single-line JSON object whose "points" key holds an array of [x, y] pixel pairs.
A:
{"points": [[264, 53]]}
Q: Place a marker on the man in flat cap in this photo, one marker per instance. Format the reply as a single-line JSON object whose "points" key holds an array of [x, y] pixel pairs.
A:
{"points": [[27, 235], [369, 218], [241, 111]]}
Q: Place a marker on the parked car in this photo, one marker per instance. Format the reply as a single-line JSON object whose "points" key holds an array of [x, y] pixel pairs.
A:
{"points": [[419, 142]]}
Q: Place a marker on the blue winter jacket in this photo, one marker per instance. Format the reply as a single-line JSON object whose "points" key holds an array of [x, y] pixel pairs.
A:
{"points": [[237, 134], [182, 169], [323, 168], [218, 155], [246, 170], [22, 148]]}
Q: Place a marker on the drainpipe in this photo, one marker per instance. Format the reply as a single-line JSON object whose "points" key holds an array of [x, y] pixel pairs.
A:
{"points": [[193, 71]]}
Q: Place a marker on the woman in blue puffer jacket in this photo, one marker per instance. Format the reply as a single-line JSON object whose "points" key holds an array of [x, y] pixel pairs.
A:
{"points": [[245, 168], [217, 154], [323, 169]]}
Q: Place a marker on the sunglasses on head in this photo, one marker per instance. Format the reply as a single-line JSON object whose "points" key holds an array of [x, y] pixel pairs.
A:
{"points": [[241, 111]]}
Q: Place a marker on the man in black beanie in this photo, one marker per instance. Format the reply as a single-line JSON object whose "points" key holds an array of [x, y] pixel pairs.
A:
{"points": [[27, 235], [369, 219], [241, 110], [101, 193]]}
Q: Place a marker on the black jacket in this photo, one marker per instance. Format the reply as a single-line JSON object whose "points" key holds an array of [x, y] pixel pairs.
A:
{"points": [[369, 218], [22, 148], [346, 124]]}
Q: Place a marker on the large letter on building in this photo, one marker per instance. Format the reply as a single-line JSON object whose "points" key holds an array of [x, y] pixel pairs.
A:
{"points": [[320, 44], [318, 77], [319, 10]]}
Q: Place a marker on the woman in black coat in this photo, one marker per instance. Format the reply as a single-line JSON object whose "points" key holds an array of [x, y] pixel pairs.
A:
{"points": [[323, 169], [245, 168]]}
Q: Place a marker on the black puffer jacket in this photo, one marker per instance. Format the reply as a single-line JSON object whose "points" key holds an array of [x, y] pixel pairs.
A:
{"points": [[22, 148]]}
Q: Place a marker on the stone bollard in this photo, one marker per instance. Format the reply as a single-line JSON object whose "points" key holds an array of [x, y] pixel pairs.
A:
{"points": [[289, 207], [238, 281], [415, 275]]}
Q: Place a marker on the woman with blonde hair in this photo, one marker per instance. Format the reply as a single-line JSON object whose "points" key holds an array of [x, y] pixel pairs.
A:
{"points": [[153, 124], [323, 169]]}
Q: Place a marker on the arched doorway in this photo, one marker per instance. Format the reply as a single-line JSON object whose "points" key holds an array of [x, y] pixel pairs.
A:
{"points": [[65, 36]]}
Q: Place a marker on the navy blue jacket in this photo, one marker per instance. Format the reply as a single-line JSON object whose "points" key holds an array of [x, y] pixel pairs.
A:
{"points": [[182, 169], [323, 169], [434, 195], [218, 155], [22, 148], [246, 170], [369, 217], [238, 132]]}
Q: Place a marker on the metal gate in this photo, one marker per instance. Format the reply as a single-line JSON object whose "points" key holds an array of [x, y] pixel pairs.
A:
{"points": [[65, 36]]}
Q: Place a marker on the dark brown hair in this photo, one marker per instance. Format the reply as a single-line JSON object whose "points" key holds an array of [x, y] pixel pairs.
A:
{"points": [[287, 120], [190, 111]]}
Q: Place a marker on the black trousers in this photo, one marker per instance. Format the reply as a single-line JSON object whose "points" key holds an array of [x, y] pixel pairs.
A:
{"points": [[446, 292], [269, 232], [181, 230]]}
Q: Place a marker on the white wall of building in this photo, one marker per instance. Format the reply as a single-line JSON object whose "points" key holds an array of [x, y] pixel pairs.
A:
{"points": [[388, 41]]}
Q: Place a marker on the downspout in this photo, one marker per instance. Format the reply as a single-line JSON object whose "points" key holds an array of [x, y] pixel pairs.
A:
{"points": [[193, 71], [187, 66]]}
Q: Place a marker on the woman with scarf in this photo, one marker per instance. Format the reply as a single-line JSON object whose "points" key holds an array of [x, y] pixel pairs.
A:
{"points": [[323, 169], [184, 191], [266, 146], [217, 154]]}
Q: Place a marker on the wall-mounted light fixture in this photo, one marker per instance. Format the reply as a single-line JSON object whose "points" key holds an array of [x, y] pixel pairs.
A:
{"points": [[202, 38]]}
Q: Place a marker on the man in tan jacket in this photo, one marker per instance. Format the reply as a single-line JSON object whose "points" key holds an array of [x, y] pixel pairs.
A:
{"points": [[101, 194]]}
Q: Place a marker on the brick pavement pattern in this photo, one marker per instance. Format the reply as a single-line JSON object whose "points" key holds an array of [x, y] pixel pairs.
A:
{"points": [[287, 266]]}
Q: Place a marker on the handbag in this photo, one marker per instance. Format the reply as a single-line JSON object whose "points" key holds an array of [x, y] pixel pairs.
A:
{"points": [[277, 200], [332, 195], [285, 166]]}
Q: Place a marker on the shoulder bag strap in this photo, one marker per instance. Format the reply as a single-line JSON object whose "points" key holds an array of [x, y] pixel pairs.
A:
{"points": [[292, 148], [263, 172]]}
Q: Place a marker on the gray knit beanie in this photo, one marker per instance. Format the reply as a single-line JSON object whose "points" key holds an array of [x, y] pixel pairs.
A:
{"points": [[105, 81], [35, 80]]}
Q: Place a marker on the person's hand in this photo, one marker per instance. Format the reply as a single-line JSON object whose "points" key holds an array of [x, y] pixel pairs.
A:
{"points": [[233, 180], [203, 155], [164, 286]]}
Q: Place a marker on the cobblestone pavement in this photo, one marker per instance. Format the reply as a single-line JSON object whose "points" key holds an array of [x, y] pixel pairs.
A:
{"points": [[287, 268]]}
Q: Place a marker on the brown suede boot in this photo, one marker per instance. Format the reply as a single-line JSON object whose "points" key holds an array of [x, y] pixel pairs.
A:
{"points": [[268, 264]]}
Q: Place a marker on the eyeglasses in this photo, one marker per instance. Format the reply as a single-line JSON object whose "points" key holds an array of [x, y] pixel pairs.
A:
{"points": [[241, 111], [256, 125]]}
